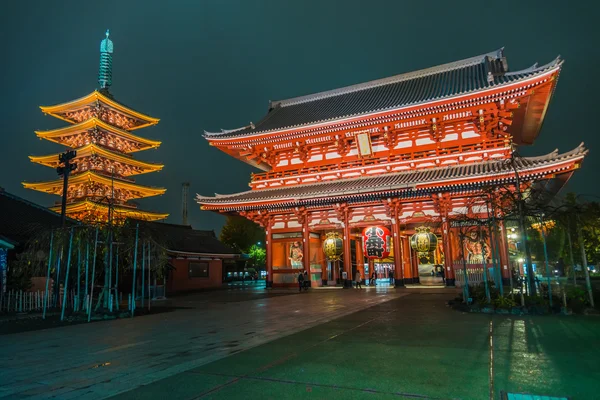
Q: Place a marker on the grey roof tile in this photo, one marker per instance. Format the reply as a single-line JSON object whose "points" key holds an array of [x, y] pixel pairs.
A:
{"points": [[389, 93], [22, 220], [183, 239], [398, 181]]}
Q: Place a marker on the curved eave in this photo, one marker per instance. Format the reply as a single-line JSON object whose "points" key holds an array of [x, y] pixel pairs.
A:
{"points": [[529, 118], [549, 166], [513, 79], [55, 187], [236, 154], [91, 149], [54, 134], [97, 96], [89, 206]]}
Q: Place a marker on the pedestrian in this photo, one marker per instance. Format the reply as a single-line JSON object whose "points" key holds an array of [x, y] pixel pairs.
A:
{"points": [[306, 281], [300, 281], [358, 279], [373, 279], [443, 275]]}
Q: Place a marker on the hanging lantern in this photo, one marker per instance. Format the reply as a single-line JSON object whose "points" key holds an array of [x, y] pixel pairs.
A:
{"points": [[424, 241], [333, 246], [376, 241]]}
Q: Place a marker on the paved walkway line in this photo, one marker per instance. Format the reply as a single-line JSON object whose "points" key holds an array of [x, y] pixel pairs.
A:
{"points": [[106, 358], [289, 356]]}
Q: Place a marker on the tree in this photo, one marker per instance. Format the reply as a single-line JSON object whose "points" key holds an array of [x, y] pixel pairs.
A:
{"points": [[556, 242], [258, 255], [241, 234]]}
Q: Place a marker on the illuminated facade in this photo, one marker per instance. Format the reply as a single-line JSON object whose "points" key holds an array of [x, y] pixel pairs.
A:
{"points": [[411, 153], [101, 132]]}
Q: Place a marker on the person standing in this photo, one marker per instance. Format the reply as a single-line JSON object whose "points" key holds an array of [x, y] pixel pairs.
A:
{"points": [[306, 281], [358, 279], [300, 281]]}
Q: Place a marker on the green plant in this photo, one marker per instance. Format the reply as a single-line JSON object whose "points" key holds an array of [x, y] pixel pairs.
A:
{"points": [[257, 255], [503, 302], [19, 274], [577, 299], [534, 301], [478, 295]]}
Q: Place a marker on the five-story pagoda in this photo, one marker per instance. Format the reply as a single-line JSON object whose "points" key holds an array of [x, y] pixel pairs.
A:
{"points": [[101, 185]]}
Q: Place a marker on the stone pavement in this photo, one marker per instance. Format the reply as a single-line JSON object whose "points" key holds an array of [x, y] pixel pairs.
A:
{"points": [[97, 360], [407, 348], [371, 344]]}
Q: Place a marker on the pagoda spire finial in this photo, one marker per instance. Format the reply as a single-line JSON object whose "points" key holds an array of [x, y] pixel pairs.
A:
{"points": [[105, 71]]}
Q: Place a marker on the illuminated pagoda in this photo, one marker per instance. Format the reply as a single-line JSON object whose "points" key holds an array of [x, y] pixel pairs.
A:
{"points": [[101, 132], [405, 154]]}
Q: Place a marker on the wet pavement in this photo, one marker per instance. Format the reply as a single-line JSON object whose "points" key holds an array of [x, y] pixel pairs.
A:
{"points": [[410, 347], [91, 361], [371, 344]]}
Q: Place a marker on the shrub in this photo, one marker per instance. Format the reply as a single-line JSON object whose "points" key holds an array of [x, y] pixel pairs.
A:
{"points": [[533, 301], [577, 294], [503, 302], [477, 293]]}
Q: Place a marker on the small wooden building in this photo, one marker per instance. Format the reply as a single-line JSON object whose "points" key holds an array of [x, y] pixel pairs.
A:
{"points": [[196, 257]]}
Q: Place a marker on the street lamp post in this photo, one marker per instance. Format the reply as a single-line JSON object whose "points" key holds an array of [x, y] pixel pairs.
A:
{"points": [[65, 171]]}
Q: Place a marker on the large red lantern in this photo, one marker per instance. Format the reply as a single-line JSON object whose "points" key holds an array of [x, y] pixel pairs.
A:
{"points": [[376, 241]]}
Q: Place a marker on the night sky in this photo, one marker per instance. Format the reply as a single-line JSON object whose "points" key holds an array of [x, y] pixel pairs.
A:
{"points": [[206, 65]]}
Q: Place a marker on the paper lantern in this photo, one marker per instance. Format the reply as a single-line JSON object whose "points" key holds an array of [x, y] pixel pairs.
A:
{"points": [[376, 242], [423, 241], [333, 246]]}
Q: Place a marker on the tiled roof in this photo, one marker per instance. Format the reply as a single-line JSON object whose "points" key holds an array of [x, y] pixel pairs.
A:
{"points": [[184, 239], [385, 184], [460, 77], [21, 220]]}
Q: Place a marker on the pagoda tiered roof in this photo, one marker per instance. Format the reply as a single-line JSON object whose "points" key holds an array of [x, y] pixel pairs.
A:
{"points": [[91, 100], [102, 209], [98, 168], [93, 149], [54, 135], [56, 186], [409, 184], [430, 87]]}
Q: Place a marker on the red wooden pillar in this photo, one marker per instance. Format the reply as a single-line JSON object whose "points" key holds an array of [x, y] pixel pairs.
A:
{"points": [[406, 264], [415, 265], [448, 256], [360, 259], [398, 251], [504, 258], [323, 264], [347, 250], [306, 249], [269, 251]]}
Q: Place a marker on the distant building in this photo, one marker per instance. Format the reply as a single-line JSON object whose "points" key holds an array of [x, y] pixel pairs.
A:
{"points": [[20, 221], [196, 257]]}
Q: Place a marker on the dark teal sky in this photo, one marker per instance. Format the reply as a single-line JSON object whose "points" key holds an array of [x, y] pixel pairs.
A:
{"points": [[215, 64]]}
